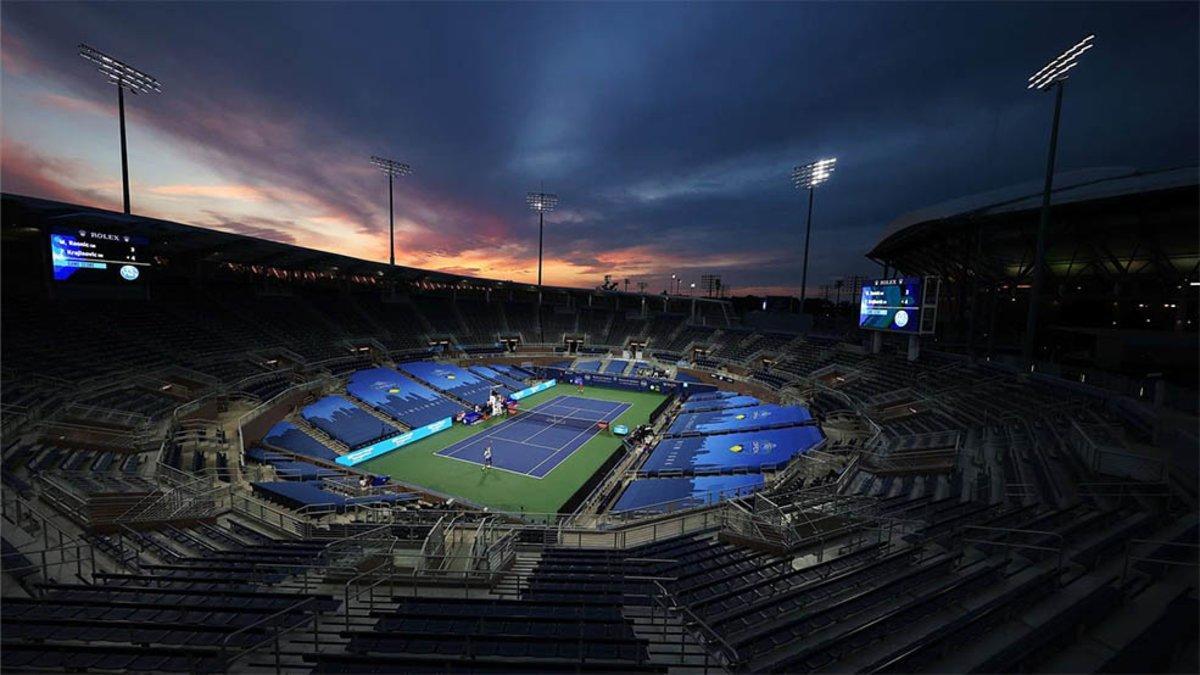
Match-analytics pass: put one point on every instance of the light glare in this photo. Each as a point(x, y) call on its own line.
point(1056, 70)
point(391, 167)
point(543, 202)
point(120, 73)
point(808, 176)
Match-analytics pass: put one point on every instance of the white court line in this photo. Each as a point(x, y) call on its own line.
point(498, 468)
point(618, 407)
point(564, 417)
point(568, 444)
point(465, 443)
point(592, 431)
point(491, 432)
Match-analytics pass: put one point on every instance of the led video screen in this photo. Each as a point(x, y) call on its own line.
point(891, 305)
point(91, 256)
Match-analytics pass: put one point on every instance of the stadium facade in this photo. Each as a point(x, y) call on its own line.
point(1123, 261)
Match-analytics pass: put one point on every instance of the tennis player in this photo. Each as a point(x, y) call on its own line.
point(487, 457)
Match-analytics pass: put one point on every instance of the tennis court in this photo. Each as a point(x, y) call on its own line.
point(533, 443)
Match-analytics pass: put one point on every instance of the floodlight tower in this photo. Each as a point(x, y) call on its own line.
point(542, 202)
point(392, 168)
point(808, 177)
point(1052, 76)
point(125, 77)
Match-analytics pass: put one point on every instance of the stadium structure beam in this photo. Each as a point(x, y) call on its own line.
point(809, 177)
point(392, 168)
point(125, 77)
point(1052, 76)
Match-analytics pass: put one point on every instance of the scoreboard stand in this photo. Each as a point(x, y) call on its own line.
point(906, 305)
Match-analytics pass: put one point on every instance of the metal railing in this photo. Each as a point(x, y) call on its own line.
point(1130, 557)
point(229, 659)
point(709, 637)
point(1058, 550)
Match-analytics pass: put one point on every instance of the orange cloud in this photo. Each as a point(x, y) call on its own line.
point(231, 192)
point(24, 170)
point(74, 104)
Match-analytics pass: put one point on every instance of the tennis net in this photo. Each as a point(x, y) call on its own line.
point(550, 419)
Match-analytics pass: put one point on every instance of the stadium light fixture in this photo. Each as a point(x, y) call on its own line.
point(1052, 76)
point(809, 177)
point(125, 77)
point(392, 168)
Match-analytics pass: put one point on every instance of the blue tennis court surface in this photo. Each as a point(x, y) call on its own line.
point(533, 447)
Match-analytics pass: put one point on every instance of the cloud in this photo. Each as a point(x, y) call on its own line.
point(14, 54)
point(74, 104)
point(263, 228)
point(247, 193)
point(26, 171)
point(669, 137)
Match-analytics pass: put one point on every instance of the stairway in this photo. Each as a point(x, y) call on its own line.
point(515, 580)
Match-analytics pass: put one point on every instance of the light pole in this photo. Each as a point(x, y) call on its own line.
point(808, 177)
point(392, 168)
point(541, 202)
point(1052, 76)
point(125, 77)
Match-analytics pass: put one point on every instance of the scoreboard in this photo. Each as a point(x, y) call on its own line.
point(900, 305)
point(86, 255)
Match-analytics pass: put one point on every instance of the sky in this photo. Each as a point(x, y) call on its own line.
point(668, 130)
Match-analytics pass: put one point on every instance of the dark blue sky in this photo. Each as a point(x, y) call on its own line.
point(668, 129)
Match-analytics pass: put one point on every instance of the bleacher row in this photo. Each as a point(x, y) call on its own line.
point(224, 338)
point(199, 598)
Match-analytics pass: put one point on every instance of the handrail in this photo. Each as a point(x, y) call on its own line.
point(286, 610)
point(353, 581)
point(1129, 556)
point(732, 657)
point(1062, 542)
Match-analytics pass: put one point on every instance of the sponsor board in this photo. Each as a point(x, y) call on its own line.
point(385, 446)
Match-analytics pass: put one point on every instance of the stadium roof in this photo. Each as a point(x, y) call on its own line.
point(1073, 186)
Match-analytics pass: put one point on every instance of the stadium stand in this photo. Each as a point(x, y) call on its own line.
point(655, 495)
point(287, 436)
point(345, 421)
point(767, 416)
point(497, 377)
point(865, 512)
point(728, 453)
point(399, 397)
point(616, 367)
point(453, 380)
